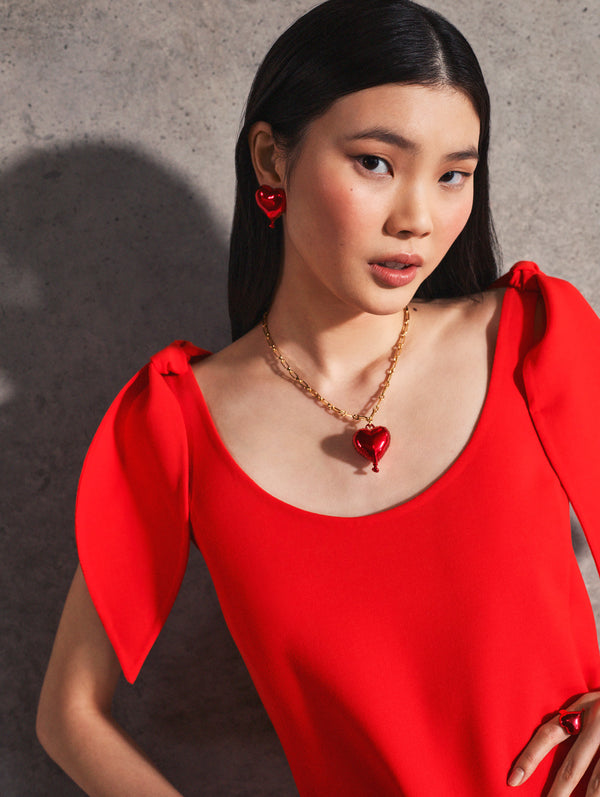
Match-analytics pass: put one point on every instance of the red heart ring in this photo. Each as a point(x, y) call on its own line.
point(271, 201)
point(570, 721)
point(372, 442)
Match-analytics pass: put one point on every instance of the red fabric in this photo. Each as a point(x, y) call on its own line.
point(562, 379)
point(132, 513)
point(410, 652)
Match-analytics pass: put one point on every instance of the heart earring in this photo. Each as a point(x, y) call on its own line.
point(271, 201)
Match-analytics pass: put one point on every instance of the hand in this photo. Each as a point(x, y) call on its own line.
point(577, 760)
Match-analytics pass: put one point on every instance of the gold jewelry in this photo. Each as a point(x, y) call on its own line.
point(371, 442)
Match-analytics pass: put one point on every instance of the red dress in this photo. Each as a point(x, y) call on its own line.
point(409, 652)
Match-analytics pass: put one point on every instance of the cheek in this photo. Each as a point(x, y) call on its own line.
point(330, 209)
point(346, 212)
point(456, 217)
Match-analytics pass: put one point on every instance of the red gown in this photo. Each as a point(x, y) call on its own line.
point(409, 652)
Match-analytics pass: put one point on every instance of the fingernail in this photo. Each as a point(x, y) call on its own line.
point(516, 776)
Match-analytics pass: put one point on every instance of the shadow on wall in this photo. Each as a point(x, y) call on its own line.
point(105, 257)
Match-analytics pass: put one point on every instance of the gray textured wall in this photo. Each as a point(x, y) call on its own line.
point(118, 124)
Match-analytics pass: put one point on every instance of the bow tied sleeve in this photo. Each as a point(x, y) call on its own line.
point(132, 516)
point(561, 374)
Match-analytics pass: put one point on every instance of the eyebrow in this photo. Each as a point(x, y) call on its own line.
point(389, 137)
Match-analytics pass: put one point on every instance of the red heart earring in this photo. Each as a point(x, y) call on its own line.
point(271, 201)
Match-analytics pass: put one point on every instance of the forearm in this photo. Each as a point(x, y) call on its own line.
point(74, 722)
point(100, 757)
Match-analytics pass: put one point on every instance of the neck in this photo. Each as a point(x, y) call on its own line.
point(331, 343)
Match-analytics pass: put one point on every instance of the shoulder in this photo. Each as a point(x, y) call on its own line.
point(177, 357)
point(562, 312)
point(467, 322)
point(144, 424)
point(240, 365)
point(527, 277)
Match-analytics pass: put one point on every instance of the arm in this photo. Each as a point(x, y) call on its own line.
point(562, 394)
point(74, 721)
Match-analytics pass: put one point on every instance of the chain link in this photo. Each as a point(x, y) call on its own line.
point(397, 348)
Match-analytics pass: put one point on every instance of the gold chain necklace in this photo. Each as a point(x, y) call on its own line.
point(370, 442)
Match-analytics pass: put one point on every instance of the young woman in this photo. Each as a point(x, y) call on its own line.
point(377, 471)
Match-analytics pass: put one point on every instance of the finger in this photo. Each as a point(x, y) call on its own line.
point(580, 756)
point(542, 742)
point(593, 789)
point(573, 767)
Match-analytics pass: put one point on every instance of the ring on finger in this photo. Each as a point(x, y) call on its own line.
point(571, 721)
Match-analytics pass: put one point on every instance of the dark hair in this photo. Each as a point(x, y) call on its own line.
point(337, 48)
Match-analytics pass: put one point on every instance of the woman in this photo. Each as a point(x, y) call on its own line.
point(393, 555)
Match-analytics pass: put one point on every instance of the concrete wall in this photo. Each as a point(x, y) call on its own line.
point(117, 130)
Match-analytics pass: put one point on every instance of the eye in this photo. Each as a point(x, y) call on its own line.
point(454, 178)
point(374, 164)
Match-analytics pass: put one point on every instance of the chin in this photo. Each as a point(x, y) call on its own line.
point(387, 305)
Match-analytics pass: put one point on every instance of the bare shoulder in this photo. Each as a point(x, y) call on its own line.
point(230, 373)
point(481, 313)
point(474, 319)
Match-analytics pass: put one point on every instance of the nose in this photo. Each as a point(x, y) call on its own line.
point(410, 214)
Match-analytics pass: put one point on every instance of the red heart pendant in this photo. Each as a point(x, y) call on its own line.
point(372, 442)
point(570, 721)
point(271, 201)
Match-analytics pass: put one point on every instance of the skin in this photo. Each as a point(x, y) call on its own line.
point(352, 200)
point(579, 758)
point(74, 722)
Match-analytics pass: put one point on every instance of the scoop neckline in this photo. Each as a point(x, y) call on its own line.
point(451, 472)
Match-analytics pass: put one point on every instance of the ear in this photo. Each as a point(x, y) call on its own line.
point(267, 158)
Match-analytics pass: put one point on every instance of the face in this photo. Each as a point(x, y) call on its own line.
point(381, 187)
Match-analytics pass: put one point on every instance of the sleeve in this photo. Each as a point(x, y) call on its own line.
point(561, 374)
point(132, 516)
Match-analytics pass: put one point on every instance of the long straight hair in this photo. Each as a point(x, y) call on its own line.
point(337, 48)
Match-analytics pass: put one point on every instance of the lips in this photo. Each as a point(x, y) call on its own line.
point(400, 261)
point(395, 277)
point(393, 264)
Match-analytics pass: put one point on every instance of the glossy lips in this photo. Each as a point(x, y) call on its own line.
point(395, 271)
point(372, 442)
point(271, 201)
point(393, 277)
point(402, 260)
